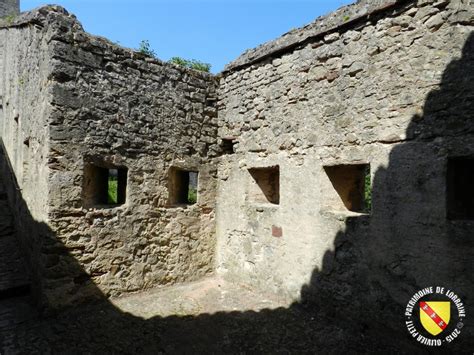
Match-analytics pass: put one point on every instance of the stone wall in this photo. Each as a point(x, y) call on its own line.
point(118, 108)
point(110, 107)
point(24, 118)
point(9, 7)
point(281, 145)
point(389, 88)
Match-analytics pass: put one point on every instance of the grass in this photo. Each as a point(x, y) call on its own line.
point(112, 191)
point(192, 195)
point(191, 63)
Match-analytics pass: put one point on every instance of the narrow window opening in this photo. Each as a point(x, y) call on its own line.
point(104, 186)
point(460, 188)
point(265, 185)
point(353, 185)
point(192, 187)
point(228, 145)
point(183, 187)
point(367, 190)
point(112, 187)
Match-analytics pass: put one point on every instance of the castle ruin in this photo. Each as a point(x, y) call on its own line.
point(333, 164)
point(9, 8)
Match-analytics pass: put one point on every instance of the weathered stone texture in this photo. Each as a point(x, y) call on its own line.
point(383, 83)
point(102, 104)
point(9, 7)
point(119, 108)
point(394, 93)
point(24, 117)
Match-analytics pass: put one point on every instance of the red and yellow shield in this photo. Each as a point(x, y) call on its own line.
point(435, 316)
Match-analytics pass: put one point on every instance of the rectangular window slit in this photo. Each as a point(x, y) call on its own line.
point(228, 145)
point(352, 182)
point(183, 187)
point(112, 187)
point(104, 187)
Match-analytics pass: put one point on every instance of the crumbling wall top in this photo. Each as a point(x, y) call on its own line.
point(39, 16)
point(322, 25)
point(65, 27)
point(9, 7)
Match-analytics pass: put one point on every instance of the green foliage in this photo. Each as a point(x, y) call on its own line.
point(192, 64)
point(145, 48)
point(112, 191)
point(10, 19)
point(192, 195)
point(179, 61)
point(367, 191)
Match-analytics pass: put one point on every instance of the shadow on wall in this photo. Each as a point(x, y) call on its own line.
point(379, 263)
point(356, 302)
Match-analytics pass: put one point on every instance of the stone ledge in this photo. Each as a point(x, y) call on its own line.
point(38, 16)
point(69, 29)
point(345, 16)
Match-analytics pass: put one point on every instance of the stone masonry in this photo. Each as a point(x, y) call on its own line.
point(118, 109)
point(349, 95)
point(9, 8)
point(391, 91)
point(285, 143)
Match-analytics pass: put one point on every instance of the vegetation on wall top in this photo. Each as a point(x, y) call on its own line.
point(192, 64)
point(145, 48)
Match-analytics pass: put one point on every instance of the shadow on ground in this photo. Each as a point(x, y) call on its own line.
point(356, 302)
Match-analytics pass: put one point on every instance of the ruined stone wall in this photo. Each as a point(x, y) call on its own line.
point(116, 108)
point(9, 7)
point(24, 118)
point(383, 83)
point(385, 86)
point(103, 106)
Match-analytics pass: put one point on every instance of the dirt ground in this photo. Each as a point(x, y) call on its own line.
point(206, 317)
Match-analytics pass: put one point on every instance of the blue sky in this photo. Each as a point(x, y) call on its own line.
point(213, 31)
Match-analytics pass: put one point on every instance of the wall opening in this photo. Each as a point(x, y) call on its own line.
point(265, 185)
point(228, 145)
point(460, 188)
point(104, 186)
point(183, 186)
point(353, 185)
